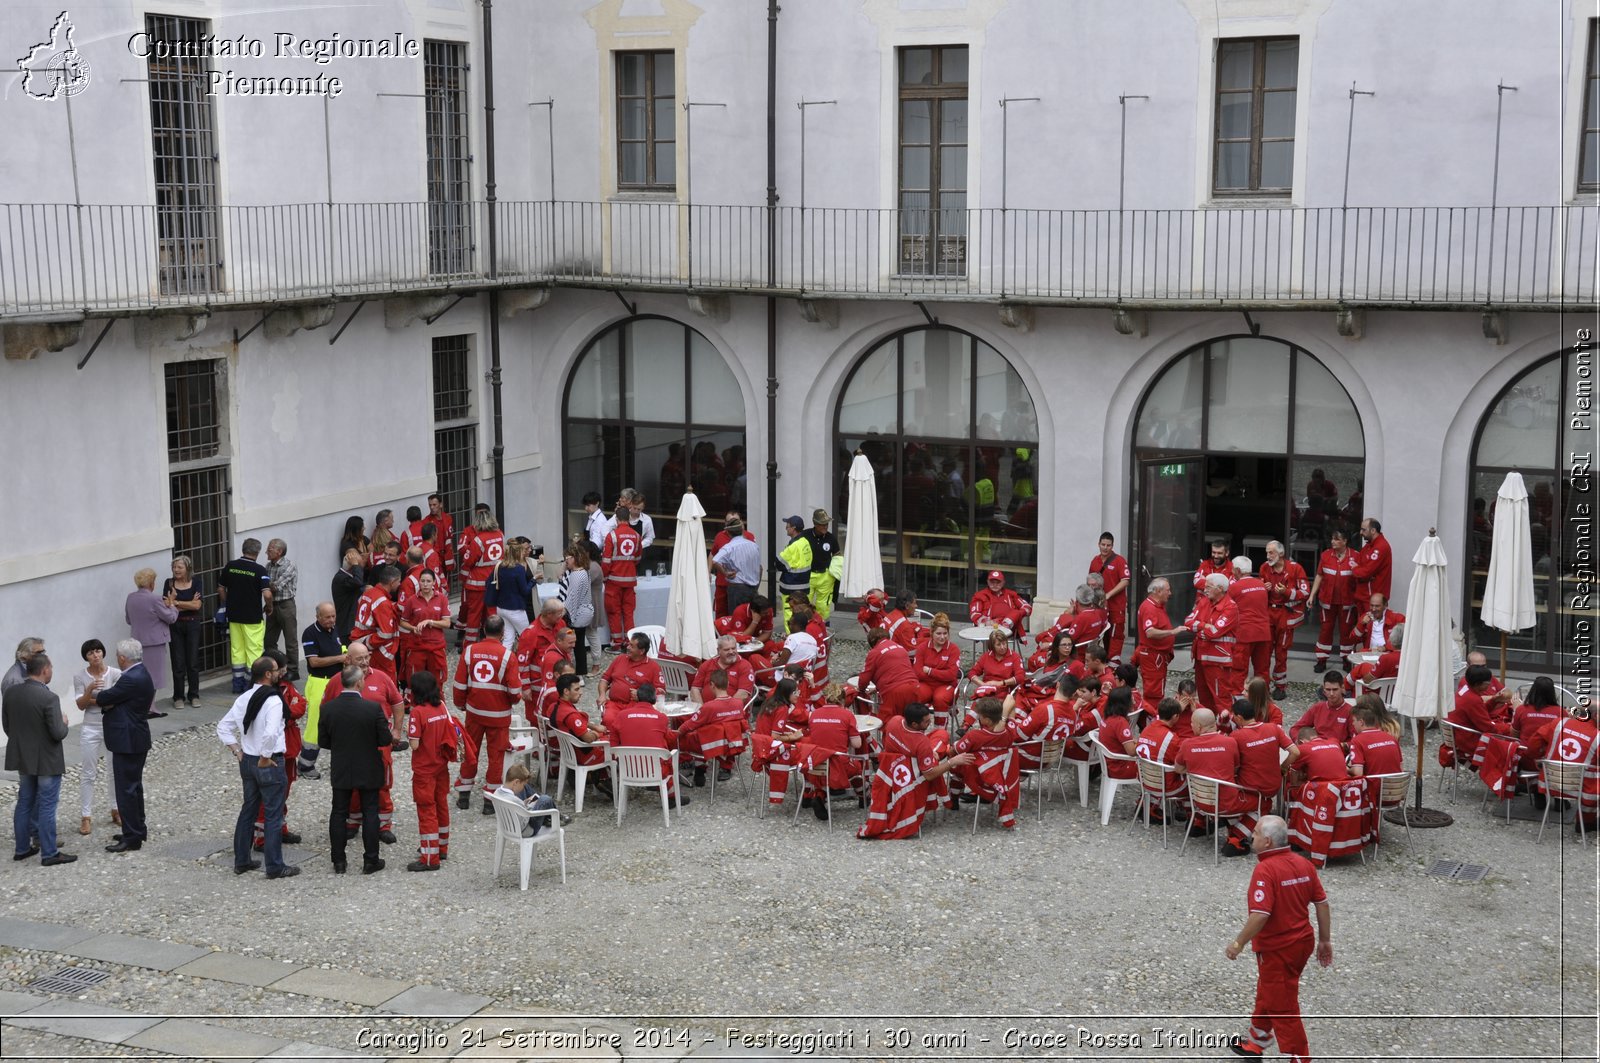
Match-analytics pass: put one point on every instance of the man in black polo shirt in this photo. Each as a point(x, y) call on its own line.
point(244, 590)
point(824, 548)
point(325, 655)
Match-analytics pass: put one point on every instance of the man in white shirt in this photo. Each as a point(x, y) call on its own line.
point(254, 729)
point(633, 504)
point(597, 525)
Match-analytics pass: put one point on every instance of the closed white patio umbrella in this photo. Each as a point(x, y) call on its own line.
point(863, 563)
point(1508, 594)
point(690, 632)
point(1424, 689)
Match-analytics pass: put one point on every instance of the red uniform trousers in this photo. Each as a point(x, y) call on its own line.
point(427, 659)
point(1284, 625)
point(892, 703)
point(1152, 665)
point(938, 696)
point(291, 771)
point(1277, 1012)
point(431, 792)
point(472, 611)
point(1250, 658)
point(1118, 632)
point(1342, 617)
point(620, 598)
point(352, 819)
point(385, 664)
point(496, 737)
point(1213, 681)
point(719, 600)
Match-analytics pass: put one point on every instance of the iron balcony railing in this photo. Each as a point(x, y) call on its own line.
point(65, 258)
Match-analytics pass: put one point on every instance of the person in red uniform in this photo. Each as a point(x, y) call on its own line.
point(994, 774)
point(1053, 660)
point(1331, 715)
point(428, 545)
point(1387, 666)
point(1253, 650)
point(488, 686)
point(1572, 740)
point(619, 561)
point(1315, 758)
point(1118, 736)
point(1267, 710)
point(482, 547)
point(1538, 710)
point(446, 538)
point(1086, 717)
point(1215, 756)
point(540, 680)
point(643, 725)
point(1283, 886)
point(732, 523)
point(425, 618)
point(716, 731)
point(434, 739)
point(1112, 567)
point(999, 664)
point(414, 570)
point(1329, 812)
point(741, 677)
point(938, 668)
point(1052, 719)
point(1334, 591)
point(1155, 633)
point(1373, 629)
point(384, 638)
point(874, 607)
point(1160, 742)
point(906, 766)
point(1260, 752)
point(1374, 568)
point(997, 604)
point(1288, 592)
point(774, 736)
point(635, 667)
point(901, 625)
point(1085, 621)
point(826, 767)
point(1483, 712)
point(375, 686)
point(1213, 621)
point(1476, 657)
point(538, 637)
point(1373, 751)
point(564, 715)
point(888, 666)
point(1218, 564)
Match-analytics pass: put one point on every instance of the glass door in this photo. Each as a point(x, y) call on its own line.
point(1171, 497)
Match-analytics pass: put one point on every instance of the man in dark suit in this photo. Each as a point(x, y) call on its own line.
point(353, 730)
point(126, 710)
point(34, 727)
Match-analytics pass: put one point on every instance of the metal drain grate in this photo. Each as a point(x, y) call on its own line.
point(69, 980)
point(1459, 871)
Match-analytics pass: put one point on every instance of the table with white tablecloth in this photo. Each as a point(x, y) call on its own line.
point(650, 602)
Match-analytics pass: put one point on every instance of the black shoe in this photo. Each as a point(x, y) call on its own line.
point(699, 776)
point(603, 788)
point(307, 773)
point(371, 867)
point(681, 800)
point(724, 774)
point(1280, 692)
point(807, 802)
point(33, 851)
point(820, 808)
point(124, 847)
point(387, 837)
point(488, 807)
point(154, 715)
point(59, 858)
point(967, 799)
point(339, 867)
point(463, 800)
point(1234, 850)
point(418, 865)
point(1319, 667)
point(1241, 1047)
point(291, 838)
point(240, 869)
point(289, 871)
point(1198, 830)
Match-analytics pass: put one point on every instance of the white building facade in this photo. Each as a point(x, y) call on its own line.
point(1182, 284)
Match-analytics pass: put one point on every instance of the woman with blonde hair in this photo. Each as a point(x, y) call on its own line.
point(382, 535)
point(510, 590)
point(150, 618)
point(938, 667)
point(1381, 716)
point(184, 594)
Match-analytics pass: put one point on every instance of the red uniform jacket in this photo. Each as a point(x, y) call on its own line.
point(362, 624)
point(1330, 722)
point(1213, 624)
point(1376, 752)
point(1259, 761)
point(1571, 742)
point(1114, 734)
point(535, 639)
point(1283, 888)
point(714, 726)
point(1374, 569)
point(445, 535)
point(1287, 589)
point(417, 609)
point(294, 710)
point(995, 772)
point(619, 555)
point(1158, 742)
point(991, 669)
point(904, 630)
point(434, 730)
point(1391, 620)
point(384, 639)
point(741, 677)
point(889, 666)
point(1249, 595)
point(937, 667)
point(899, 793)
point(634, 675)
point(487, 683)
point(480, 554)
point(1322, 761)
point(642, 724)
point(1470, 711)
point(1152, 615)
point(1006, 608)
point(1112, 572)
point(830, 731)
point(375, 687)
point(1338, 587)
point(564, 716)
point(1209, 567)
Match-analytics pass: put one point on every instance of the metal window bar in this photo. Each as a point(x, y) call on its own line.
point(194, 426)
point(188, 251)
point(201, 528)
point(455, 463)
point(452, 379)
point(450, 247)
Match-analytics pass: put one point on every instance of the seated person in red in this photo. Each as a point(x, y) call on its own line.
point(1053, 660)
point(909, 764)
point(1572, 740)
point(999, 665)
point(1260, 751)
point(1540, 709)
point(1387, 666)
point(874, 607)
point(619, 695)
point(716, 731)
point(1085, 621)
point(546, 699)
point(1476, 657)
point(752, 622)
point(1051, 720)
point(635, 667)
point(888, 667)
point(1160, 743)
point(1267, 710)
point(642, 725)
point(741, 676)
point(773, 737)
point(1373, 751)
point(937, 666)
point(1188, 696)
point(1330, 813)
point(1479, 710)
point(900, 623)
point(1330, 716)
point(565, 716)
point(831, 730)
point(1315, 759)
point(1086, 718)
point(1216, 756)
point(993, 775)
point(1116, 734)
point(997, 604)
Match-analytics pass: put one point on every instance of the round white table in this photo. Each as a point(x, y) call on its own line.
point(977, 635)
point(866, 724)
point(676, 709)
point(750, 647)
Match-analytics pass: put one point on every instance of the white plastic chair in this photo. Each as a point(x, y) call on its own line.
point(1562, 781)
point(675, 678)
point(510, 816)
point(1108, 785)
point(569, 762)
point(1384, 687)
point(639, 767)
point(1204, 790)
point(657, 633)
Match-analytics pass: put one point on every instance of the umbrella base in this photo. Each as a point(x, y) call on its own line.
point(1422, 818)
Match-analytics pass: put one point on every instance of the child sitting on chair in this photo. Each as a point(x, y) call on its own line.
point(520, 785)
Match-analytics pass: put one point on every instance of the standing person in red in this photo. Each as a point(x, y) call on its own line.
point(433, 737)
point(486, 685)
point(1288, 591)
point(1374, 568)
point(889, 666)
point(425, 618)
point(1112, 567)
point(1215, 565)
point(999, 664)
point(619, 560)
point(1283, 886)
point(1334, 592)
point(445, 537)
point(717, 728)
point(1213, 622)
point(997, 604)
point(938, 667)
point(1155, 633)
point(643, 725)
point(482, 547)
point(1253, 650)
point(906, 767)
point(1215, 756)
point(538, 637)
point(379, 687)
point(994, 773)
point(384, 640)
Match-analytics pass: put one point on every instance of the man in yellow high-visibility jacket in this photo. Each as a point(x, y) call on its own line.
point(794, 565)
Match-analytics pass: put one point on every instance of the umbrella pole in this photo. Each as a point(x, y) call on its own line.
point(1503, 637)
point(1419, 817)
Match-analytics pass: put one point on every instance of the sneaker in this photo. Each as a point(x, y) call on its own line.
point(566, 820)
point(177, 703)
point(291, 838)
point(240, 869)
point(463, 800)
point(1241, 1047)
point(307, 773)
point(59, 858)
point(289, 871)
point(418, 865)
point(195, 703)
point(387, 837)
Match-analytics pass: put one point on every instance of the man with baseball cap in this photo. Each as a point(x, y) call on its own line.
point(824, 548)
point(794, 565)
point(736, 563)
point(997, 604)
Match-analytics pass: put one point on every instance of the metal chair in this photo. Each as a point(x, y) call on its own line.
point(657, 634)
point(1568, 698)
point(862, 781)
point(1109, 785)
point(1563, 781)
point(1394, 792)
point(1156, 784)
point(977, 806)
point(510, 816)
point(1204, 790)
point(640, 767)
point(1454, 736)
point(570, 746)
point(1047, 771)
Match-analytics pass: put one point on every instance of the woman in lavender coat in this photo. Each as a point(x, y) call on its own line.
point(150, 619)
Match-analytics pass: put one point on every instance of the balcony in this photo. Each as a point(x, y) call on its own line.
point(63, 260)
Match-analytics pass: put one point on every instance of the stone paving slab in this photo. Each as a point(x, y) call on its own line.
point(27, 934)
point(341, 985)
point(433, 1003)
point(17, 1003)
point(74, 1018)
point(321, 1053)
point(183, 1037)
point(243, 970)
point(135, 951)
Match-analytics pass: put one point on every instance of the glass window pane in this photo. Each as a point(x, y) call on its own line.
point(662, 82)
point(915, 121)
point(1325, 420)
point(595, 382)
point(953, 65)
point(1590, 173)
point(630, 74)
point(1520, 431)
point(914, 213)
point(1249, 396)
point(1233, 165)
point(1324, 496)
point(714, 396)
point(1233, 115)
point(666, 163)
point(1005, 409)
point(660, 472)
point(630, 115)
point(1236, 64)
point(914, 168)
point(584, 458)
point(666, 120)
point(1277, 114)
point(1592, 118)
point(1277, 164)
point(655, 371)
point(1172, 412)
point(938, 383)
point(953, 122)
point(916, 66)
point(869, 402)
point(717, 473)
point(1283, 64)
point(631, 158)
point(952, 169)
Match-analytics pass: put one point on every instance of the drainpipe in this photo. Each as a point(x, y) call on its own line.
point(772, 283)
point(498, 454)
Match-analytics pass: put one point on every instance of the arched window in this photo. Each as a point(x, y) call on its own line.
point(951, 430)
point(1527, 430)
point(1243, 440)
point(652, 405)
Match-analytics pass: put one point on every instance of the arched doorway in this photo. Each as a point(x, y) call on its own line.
point(1242, 439)
point(651, 404)
point(951, 430)
point(1527, 429)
